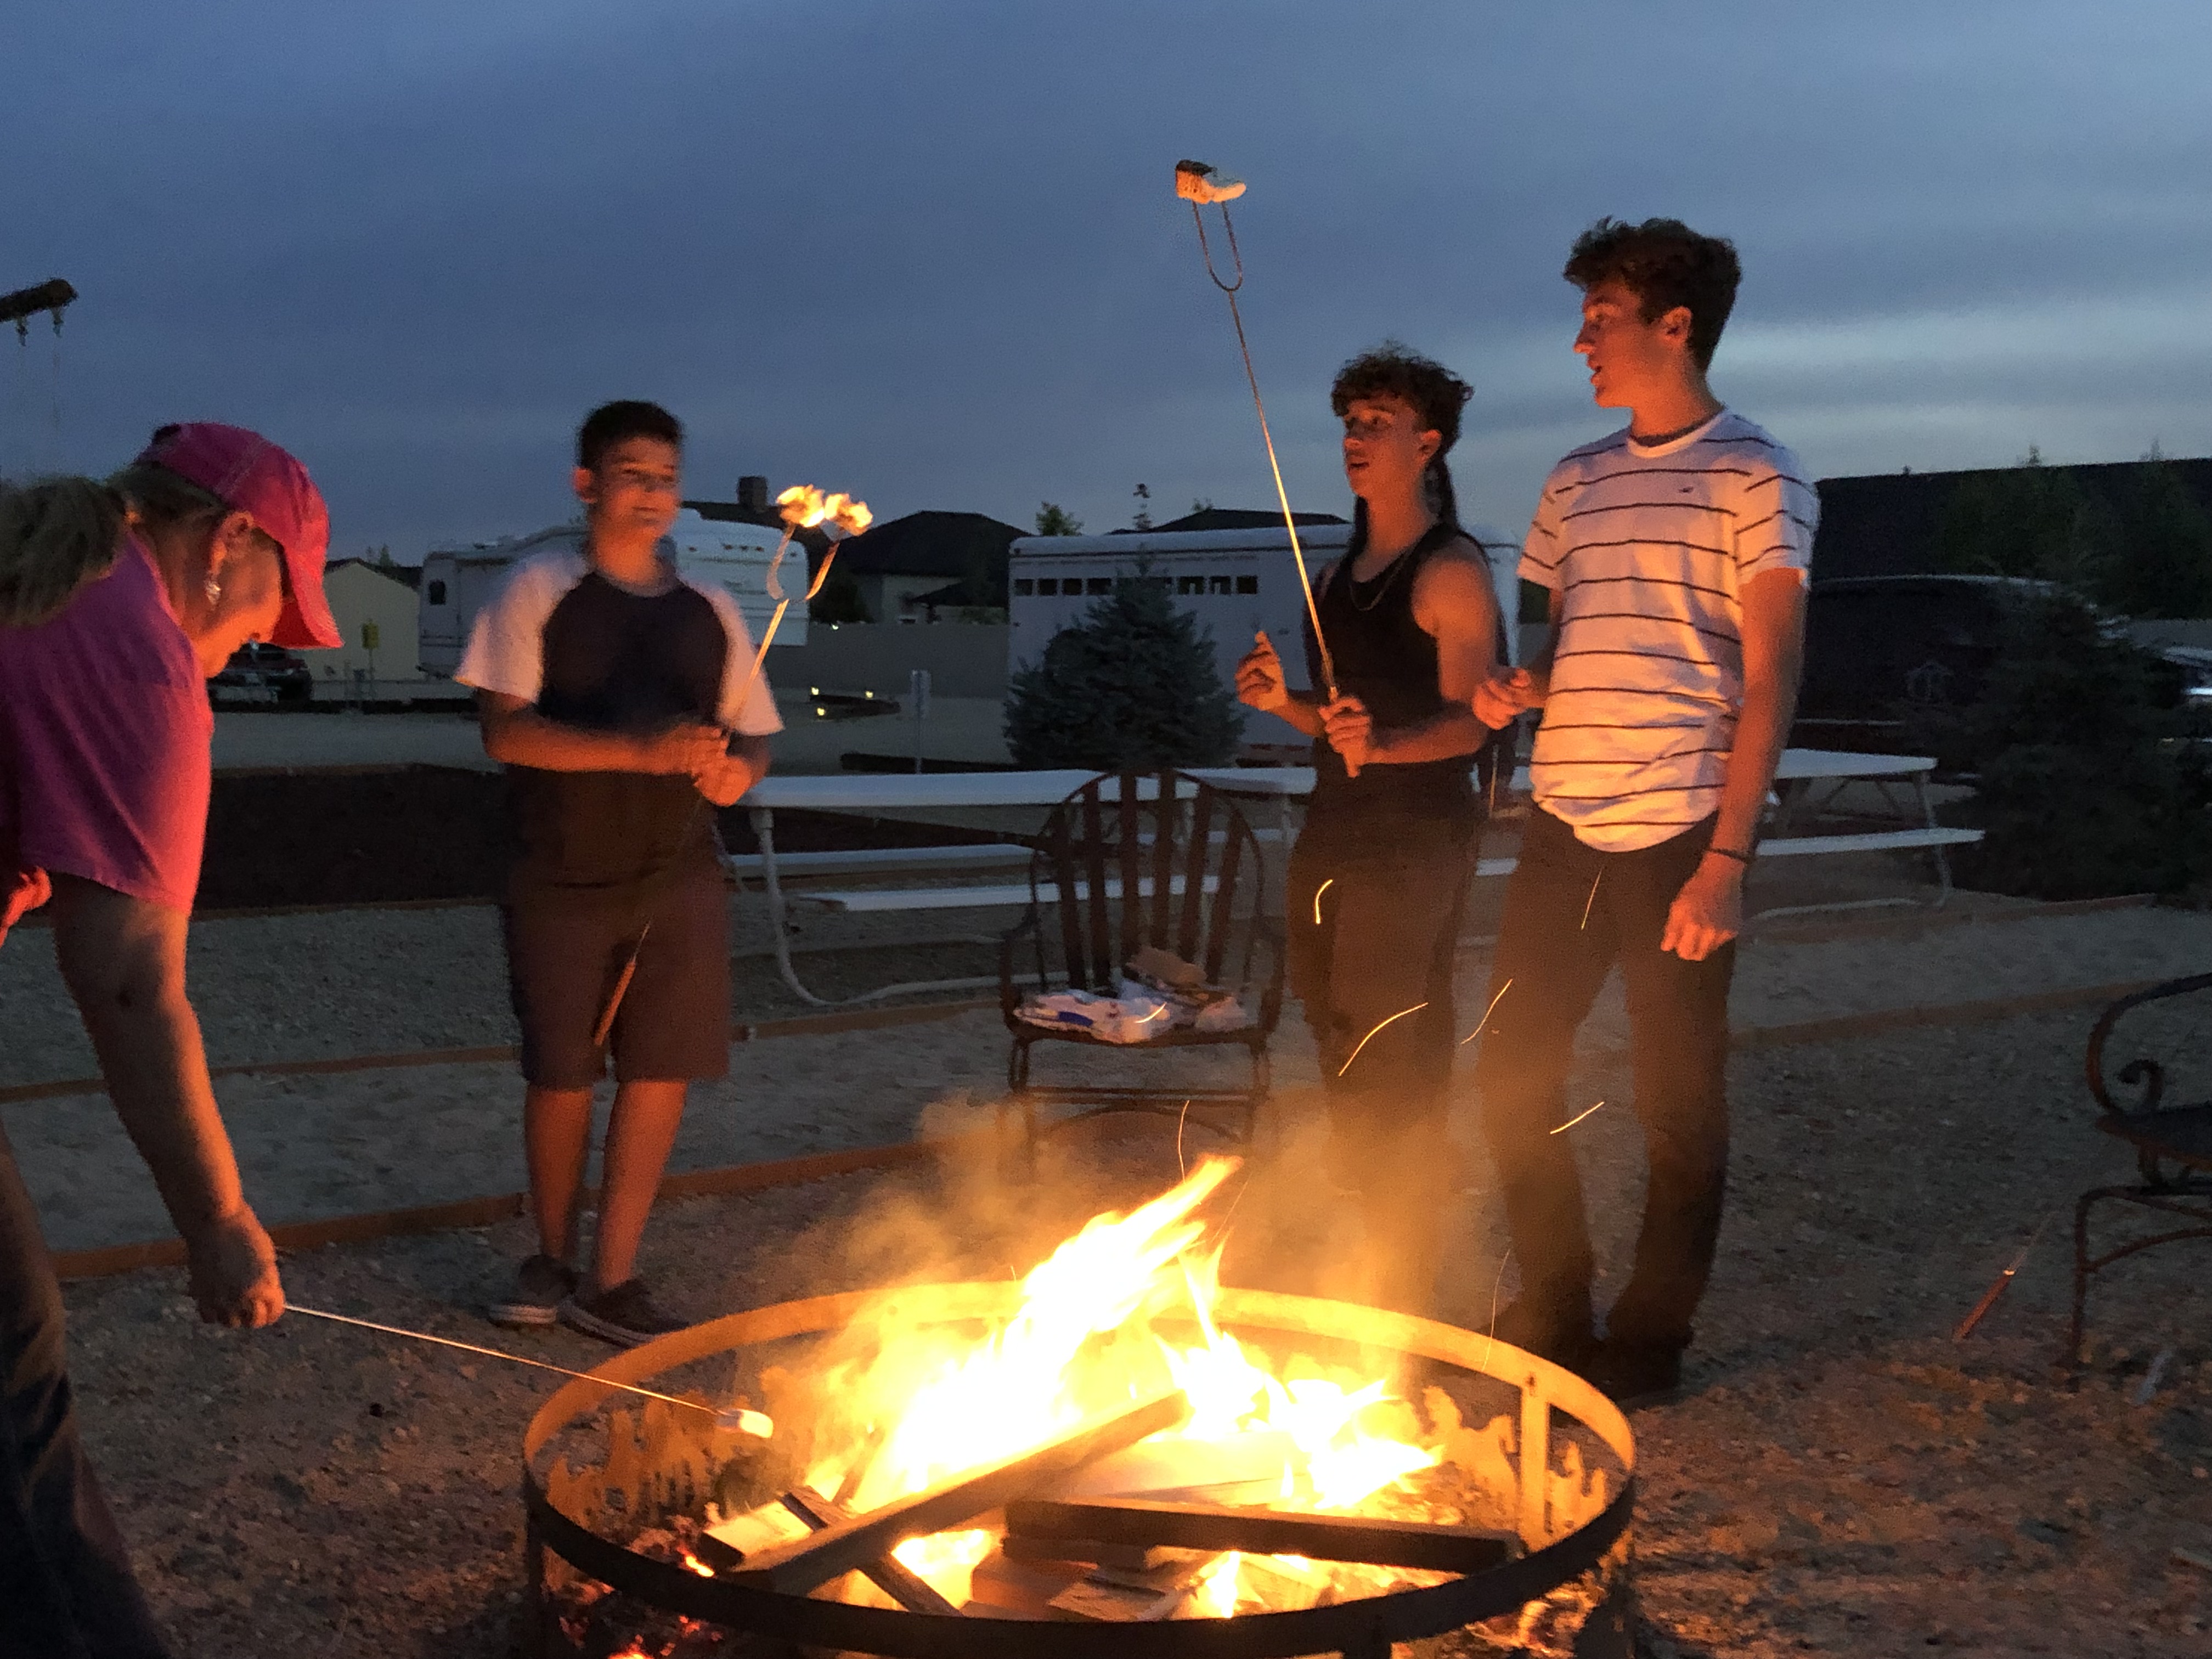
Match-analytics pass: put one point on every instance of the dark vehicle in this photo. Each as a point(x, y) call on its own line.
point(263, 673)
point(1877, 647)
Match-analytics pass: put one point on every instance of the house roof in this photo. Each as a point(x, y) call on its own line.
point(929, 544)
point(407, 575)
point(1228, 518)
point(1888, 524)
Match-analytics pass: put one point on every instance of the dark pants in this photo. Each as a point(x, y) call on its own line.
point(1571, 914)
point(66, 1590)
point(1379, 940)
point(565, 953)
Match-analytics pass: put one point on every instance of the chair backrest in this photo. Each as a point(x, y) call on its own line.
point(1151, 857)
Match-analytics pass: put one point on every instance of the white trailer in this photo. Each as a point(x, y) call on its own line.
point(1235, 582)
point(457, 582)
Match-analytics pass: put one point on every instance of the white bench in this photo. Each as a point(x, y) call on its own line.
point(1800, 770)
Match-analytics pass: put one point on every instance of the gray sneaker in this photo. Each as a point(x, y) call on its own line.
point(539, 1287)
point(624, 1315)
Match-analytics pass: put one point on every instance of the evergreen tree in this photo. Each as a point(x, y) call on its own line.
point(2164, 540)
point(1053, 520)
point(1132, 687)
point(2030, 521)
point(2086, 783)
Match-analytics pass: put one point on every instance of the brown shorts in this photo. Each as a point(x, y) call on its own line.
point(565, 953)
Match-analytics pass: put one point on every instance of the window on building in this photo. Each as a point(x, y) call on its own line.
point(1217, 584)
point(1248, 583)
point(437, 594)
point(1024, 587)
point(1048, 586)
point(1190, 584)
point(1100, 585)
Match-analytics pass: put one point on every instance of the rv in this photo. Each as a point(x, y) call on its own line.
point(1235, 582)
point(457, 582)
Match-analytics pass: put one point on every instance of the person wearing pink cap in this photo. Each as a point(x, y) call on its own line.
point(117, 600)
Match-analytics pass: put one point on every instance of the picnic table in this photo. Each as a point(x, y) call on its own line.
point(1799, 775)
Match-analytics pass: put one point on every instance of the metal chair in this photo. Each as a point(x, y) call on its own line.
point(1128, 860)
point(2163, 1136)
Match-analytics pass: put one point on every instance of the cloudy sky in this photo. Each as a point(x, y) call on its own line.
point(928, 251)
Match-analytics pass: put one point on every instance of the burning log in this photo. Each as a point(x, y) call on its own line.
point(893, 1577)
point(1216, 1527)
point(796, 1568)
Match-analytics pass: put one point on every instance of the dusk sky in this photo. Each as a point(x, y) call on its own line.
point(930, 252)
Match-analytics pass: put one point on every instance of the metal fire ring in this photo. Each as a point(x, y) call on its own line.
point(1366, 1626)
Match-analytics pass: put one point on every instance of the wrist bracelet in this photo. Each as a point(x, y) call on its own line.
point(1731, 852)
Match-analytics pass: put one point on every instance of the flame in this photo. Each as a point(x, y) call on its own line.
point(1082, 1343)
point(949, 1559)
point(1215, 1592)
point(803, 506)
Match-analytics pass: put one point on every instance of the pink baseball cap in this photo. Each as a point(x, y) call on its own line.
point(255, 476)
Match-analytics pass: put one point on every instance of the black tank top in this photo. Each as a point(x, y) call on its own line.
point(1388, 661)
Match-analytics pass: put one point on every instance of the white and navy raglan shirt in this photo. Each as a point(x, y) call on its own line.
point(1646, 551)
point(590, 651)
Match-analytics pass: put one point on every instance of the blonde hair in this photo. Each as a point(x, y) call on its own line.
point(57, 534)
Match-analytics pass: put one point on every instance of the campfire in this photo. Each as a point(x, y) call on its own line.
point(1118, 1438)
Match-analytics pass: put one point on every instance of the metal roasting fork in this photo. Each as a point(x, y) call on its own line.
point(727, 1417)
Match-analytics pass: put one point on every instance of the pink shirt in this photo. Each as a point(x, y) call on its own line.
point(104, 730)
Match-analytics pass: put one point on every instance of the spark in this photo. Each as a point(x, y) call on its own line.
point(1363, 1042)
point(1181, 1117)
point(1487, 1013)
point(1496, 1285)
point(1592, 899)
point(1318, 891)
point(1576, 1118)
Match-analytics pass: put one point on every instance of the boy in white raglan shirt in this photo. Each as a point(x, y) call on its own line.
point(1676, 551)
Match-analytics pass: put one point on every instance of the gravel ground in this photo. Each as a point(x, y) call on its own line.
point(1842, 1479)
point(351, 1142)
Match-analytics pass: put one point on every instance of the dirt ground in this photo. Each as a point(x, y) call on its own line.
point(1842, 1479)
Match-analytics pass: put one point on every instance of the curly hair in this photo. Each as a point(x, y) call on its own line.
point(613, 423)
point(1436, 395)
point(1664, 264)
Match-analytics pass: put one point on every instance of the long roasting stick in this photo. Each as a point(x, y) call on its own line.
point(1197, 183)
point(752, 1422)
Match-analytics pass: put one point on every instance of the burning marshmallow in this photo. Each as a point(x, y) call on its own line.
point(1197, 181)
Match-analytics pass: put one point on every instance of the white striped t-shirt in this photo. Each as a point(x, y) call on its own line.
point(1646, 550)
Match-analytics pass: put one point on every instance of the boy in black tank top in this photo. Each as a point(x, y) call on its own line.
point(1380, 871)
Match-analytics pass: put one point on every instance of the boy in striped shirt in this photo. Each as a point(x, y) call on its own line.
point(1675, 553)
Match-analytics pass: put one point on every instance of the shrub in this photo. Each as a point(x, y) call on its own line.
point(1132, 687)
point(2090, 776)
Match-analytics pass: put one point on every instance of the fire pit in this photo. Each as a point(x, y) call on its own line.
point(1344, 1521)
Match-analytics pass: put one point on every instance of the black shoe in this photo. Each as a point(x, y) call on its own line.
point(1545, 1332)
point(539, 1289)
point(1634, 1374)
point(624, 1315)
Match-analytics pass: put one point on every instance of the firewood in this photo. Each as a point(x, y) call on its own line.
point(1128, 1558)
point(798, 1567)
point(890, 1575)
point(1260, 1532)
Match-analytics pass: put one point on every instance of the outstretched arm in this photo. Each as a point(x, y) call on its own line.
point(122, 959)
point(1709, 910)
